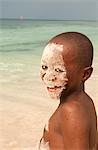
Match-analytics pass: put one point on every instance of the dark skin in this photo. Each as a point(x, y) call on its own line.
point(73, 126)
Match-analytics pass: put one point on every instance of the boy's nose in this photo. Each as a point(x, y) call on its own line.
point(53, 78)
point(50, 77)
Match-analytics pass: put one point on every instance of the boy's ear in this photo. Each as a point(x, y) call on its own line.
point(87, 73)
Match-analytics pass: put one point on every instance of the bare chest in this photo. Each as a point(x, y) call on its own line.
point(51, 133)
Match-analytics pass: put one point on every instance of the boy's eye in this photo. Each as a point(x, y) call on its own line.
point(58, 70)
point(44, 67)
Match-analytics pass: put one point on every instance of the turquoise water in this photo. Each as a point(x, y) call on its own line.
point(22, 43)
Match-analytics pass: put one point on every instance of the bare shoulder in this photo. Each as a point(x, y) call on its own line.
point(78, 123)
point(73, 114)
point(81, 108)
point(78, 112)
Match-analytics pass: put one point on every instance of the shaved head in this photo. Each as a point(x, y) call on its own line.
point(77, 47)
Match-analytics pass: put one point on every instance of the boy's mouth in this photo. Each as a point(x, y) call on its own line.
point(53, 89)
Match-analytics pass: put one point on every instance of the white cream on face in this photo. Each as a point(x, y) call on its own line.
point(53, 71)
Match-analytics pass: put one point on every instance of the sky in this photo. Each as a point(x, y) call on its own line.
point(50, 9)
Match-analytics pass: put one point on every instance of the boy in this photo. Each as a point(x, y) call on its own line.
point(65, 66)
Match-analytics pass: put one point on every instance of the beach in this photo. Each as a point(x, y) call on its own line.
point(25, 106)
point(23, 115)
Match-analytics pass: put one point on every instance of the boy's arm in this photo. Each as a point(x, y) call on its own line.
point(74, 129)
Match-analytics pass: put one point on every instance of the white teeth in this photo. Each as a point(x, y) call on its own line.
point(53, 86)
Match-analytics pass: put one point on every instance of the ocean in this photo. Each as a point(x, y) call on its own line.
point(22, 43)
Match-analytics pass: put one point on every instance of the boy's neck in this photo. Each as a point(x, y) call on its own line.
point(72, 94)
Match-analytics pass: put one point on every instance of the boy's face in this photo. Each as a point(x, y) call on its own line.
point(53, 70)
point(58, 70)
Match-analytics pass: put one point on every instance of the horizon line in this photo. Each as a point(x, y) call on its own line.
point(89, 20)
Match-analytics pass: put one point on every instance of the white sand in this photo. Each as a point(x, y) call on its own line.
point(22, 116)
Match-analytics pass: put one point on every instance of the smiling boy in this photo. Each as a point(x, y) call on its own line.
point(65, 66)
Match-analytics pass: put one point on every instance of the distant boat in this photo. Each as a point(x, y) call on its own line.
point(21, 17)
